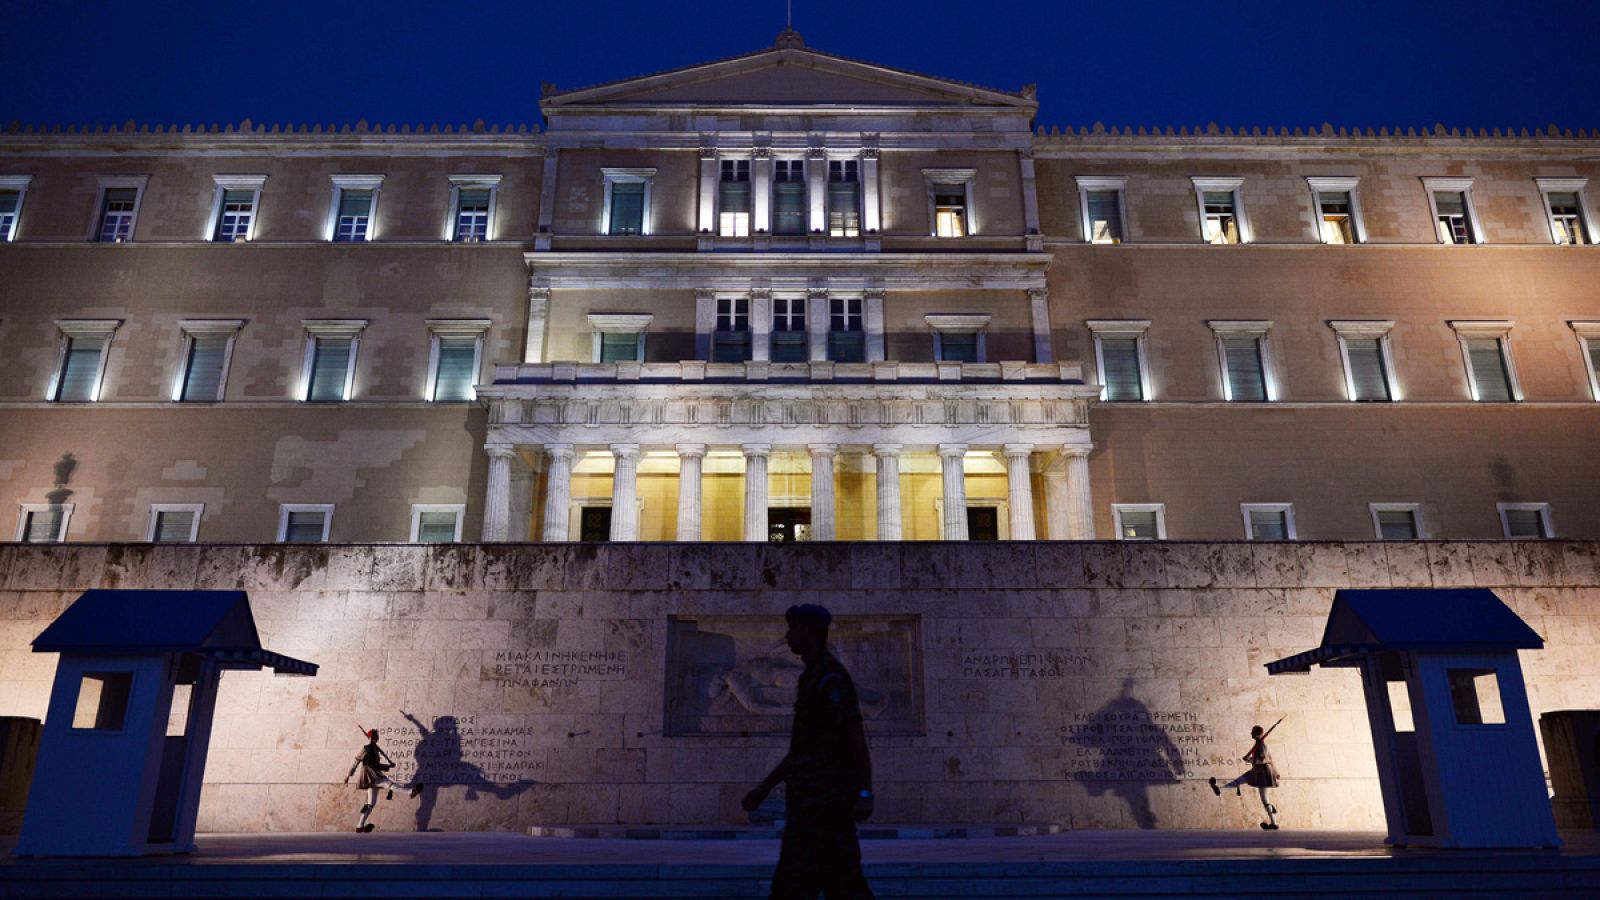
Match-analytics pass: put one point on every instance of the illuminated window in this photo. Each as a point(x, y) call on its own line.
point(950, 210)
point(1490, 375)
point(12, 190)
point(733, 199)
point(304, 523)
point(1564, 202)
point(627, 201)
point(1268, 521)
point(790, 341)
point(1364, 348)
point(1455, 219)
point(433, 523)
point(455, 370)
point(472, 203)
point(1338, 209)
point(1119, 357)
point(1396, 521)
point(731, 340)
point(355, 204)
point(330, 361)
point(619, 337)
point(847, 336)
point(1525, 521)
point(208, 347)
point(1589, 345)
point(844, 198)
point(958, 338)
point(789, 197)
point(174, 523)
point(1241, 350)
point(82, 363)
point(233, 215)
point(43, 523)
point(1140, 521)
point(118, 205)
point(1221, 213)
point(1102, 206)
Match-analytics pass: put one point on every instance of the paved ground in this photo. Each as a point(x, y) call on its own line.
point(504, 848)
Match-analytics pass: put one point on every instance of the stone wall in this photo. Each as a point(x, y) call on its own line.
point(1091, 684)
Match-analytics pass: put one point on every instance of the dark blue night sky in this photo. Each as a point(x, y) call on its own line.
point(1125, 62)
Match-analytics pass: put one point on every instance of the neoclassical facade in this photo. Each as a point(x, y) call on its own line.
point(792, 296)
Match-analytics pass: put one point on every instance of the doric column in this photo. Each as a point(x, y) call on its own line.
point(817, 190)
point(822, 501)
point(1080, 500)
point(497, 499)
point(522, 478)
point(557, 493)
point(952, 465)
point(871, 221)
point(755, 491)
point(625, 492)
point(690, 460)
point(889, 525)
point(1019, 490)
point(761, 190)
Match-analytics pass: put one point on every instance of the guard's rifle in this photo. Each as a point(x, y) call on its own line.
point(1263, 738)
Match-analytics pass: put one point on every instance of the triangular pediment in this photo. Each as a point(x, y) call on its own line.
point(788, 76)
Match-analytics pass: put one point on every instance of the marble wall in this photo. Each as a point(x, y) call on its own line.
point(1093, 684)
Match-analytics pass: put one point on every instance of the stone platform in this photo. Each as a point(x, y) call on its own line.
point(1070, 864)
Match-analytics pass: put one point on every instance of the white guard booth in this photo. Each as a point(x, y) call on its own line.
point(1457, 759)
point(125, 735)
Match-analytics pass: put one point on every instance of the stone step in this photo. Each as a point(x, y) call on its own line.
point(774, 832)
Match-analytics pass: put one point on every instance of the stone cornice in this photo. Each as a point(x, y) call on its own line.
point(788, 271)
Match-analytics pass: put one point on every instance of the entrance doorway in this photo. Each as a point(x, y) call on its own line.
point(594, 523)
point(788, 524)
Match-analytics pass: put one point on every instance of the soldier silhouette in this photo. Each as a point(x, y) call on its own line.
point(374, 764)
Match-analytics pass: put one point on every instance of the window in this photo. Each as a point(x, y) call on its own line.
point(619, 337)
point(82, 364)
point(102, 701)
point(1268, 521)
point(12, 189)
point(1120, 359)
point(43, 523)
point(594, 523)
point(1525, 521)
point(1338, 210)
point(1455, 219)
point(1221, 212)
point(355, 205)
point(1571, 223)
point(456, 345)
point(1475, 695)
point(233, 213)
point(1364, 347)
point(1490, 376)
point(304, 523)
point(174, 523)
point(330, 364)
point(119, 207)
point(790, 341)
point(1100, 201)
point(1589, 345)
point(627, 201)
point(847, 337)
point(789, 196)
point(958, 338)
point(950, 201)
point(731, 340)
point(1396, 521)
point(1140, 521)
point(844, 198)
point(472, 207)
point(207, 351)
point(1241, 349)
point(433, 523)
point(733, 199)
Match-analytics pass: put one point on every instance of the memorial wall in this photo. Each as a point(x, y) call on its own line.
point(1096, 685)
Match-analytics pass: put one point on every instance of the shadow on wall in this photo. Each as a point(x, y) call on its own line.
point(1130, 753)
point(64, 467)
point(440, 764)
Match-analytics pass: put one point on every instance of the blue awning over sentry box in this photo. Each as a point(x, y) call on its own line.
point(1366, 621)
point(216, 624)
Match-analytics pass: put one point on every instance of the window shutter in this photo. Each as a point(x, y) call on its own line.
point(1246, 380)
point(238, 198)
point(1105, 217)
point(43, 527)
point(455, 378)
point(436, 527)
point(330, 365)
point(8, 202)
point(619, 347)
point(847, 346)
point(474, 199)
point(844, 208)
point(203, 379)
point(1269, 525)
point(354, 203)
point(174, 526)
point(1524, 523)
point(627, 207)
point(1367, 375)
point(1489, 370)
point(790, 346)
point(958, 347)
point(1397, 524)
point(1450, 203)
point(1121, 358)
point(735, 196)
point(80, 370)
point(304, 527)
point(789, 208)
point(1593, 345)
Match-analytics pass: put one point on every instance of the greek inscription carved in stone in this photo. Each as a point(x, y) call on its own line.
point(555, 668)
point(1024, 665)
